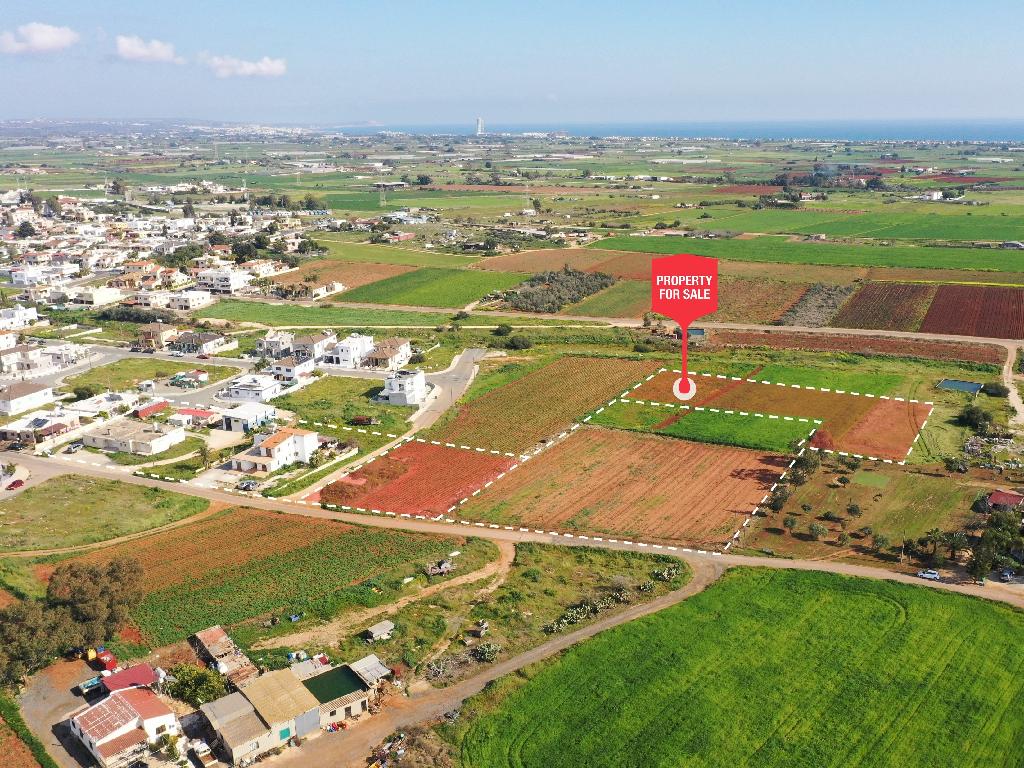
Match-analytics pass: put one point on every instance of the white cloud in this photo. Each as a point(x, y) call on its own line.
point(134, 48)
point(37, 37)
point(229, 66)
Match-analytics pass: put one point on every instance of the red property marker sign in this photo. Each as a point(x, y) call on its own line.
point(684, 287)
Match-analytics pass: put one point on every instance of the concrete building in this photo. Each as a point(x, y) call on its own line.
point(405, 387)
point(275, 344)
point(390, 354)
point(276, 450)
point(350, 352)
point(203, 343)
point(223, 280)
point(22, 396)
point(253, 387)
point(157, 335)
point(289, 369)
point(13, 318)
point(108, 402)
point(138, 437)
point(39, 426)
point(118, 730)
point(247, 417)
point(314, 346)
point(186, 301)
point(93, 296)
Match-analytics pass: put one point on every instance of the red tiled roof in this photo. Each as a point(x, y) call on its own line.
point(121, 743)
point(119, 709)
point(197, 413)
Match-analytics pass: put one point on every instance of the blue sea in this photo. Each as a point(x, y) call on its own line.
point(828, 130)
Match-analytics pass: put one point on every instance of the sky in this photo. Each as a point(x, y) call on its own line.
point(410, 62)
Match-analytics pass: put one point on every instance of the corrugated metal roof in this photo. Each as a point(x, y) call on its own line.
point(278, 696)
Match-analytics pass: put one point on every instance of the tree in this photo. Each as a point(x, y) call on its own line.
point(195, 685)
point(995, 389)
point(504, 329)
point(844, 539)
point(424, 180)
point(807, 462)
point(205, 456)
point(817, 530)
point(853, 510)
point(188, 211)
point(790, 524)
point(956, 542)
point(934, 538)
point(976, 418)
point(461, 315)
point(519, 342)
point(25, 229)
point(879, 542)
point(117, 187)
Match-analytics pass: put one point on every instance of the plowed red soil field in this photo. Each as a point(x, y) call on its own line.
point(417, 478)
point(977, 310)
point(887, 306)
point(542, 403)
point(869, 345)
point(869, 426)
point(631, 485)
point(16, 753)
point(351, 275)
point(6, 598)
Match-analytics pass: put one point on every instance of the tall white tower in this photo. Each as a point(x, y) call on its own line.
point(479, 126)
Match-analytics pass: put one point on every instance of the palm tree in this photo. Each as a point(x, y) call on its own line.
point(957, 542)
point(204, 456)
point(934, 537)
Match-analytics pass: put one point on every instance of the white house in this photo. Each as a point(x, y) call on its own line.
point(247, 417)
point(253, 387)
point(223, 280)
point(117, 730)
point(108, 402)
point(138, 437)
point(8, 340)
point(405, 387)
point(93, 296)
point(13, 318)
point(390, 354)
point(314, 346)
point(275, 344)
point(24, 396)
point(22, 358)
point(288, 369)
point(186, 301)
point(350, 352)
point(271, 452)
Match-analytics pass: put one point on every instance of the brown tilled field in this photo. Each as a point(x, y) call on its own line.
point(632, 485)
point(977, 310)
point(853, 423)
point(547, 259)
point(15, 752)
point(542, 403)
point(352, 275)
point(417, 478)
point(868, 345)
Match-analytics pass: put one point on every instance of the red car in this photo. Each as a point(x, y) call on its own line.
point(15, 485)
point(202, 357)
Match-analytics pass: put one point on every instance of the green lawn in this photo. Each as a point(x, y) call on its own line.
point(626, 298)
point(848, 379)
point(128, 372)
point(344, 317)
point(769, 668)
point(388, 254)
point(433, 287)
point(779, 249)
point(73, 510)
point(338, 399)
point(756, 432)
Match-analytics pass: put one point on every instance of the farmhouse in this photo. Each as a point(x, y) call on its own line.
point(24, 396)
point(247, 417)
point(137, 676)
point(405, 387)
point(274, 451)
point(253, 388)
point(240, 730)
point(380, 631)
point(118, 729)
point(340, 692)
point(138, 437)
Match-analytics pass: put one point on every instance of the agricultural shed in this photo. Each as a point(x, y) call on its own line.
point(341, 693)
point(283, 703)
point(380, 631)
point(1005, 499)
point(370, 669)
point(138, 676)
point(240, 729)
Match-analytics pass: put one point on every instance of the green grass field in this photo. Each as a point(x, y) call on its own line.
point(72, 510)
point(128, 372)
point(756, 432)
point(778, 249)
point(344, 317)
point(345, 250)
point(626, 298)
point(769, 668)
point(434, 287)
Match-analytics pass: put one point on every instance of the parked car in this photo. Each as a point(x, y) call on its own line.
point(177, 353)
point(74, 447)
point(17, 447)
point(202, 357)
point(248, 485)
point(149, 351)
point(929, 574)
point(1006, 575)
point(15, 485)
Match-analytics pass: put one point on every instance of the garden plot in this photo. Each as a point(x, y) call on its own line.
point(874, 427)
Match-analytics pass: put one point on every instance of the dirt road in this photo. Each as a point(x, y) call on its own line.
point(351, 747)
point(327, 634)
